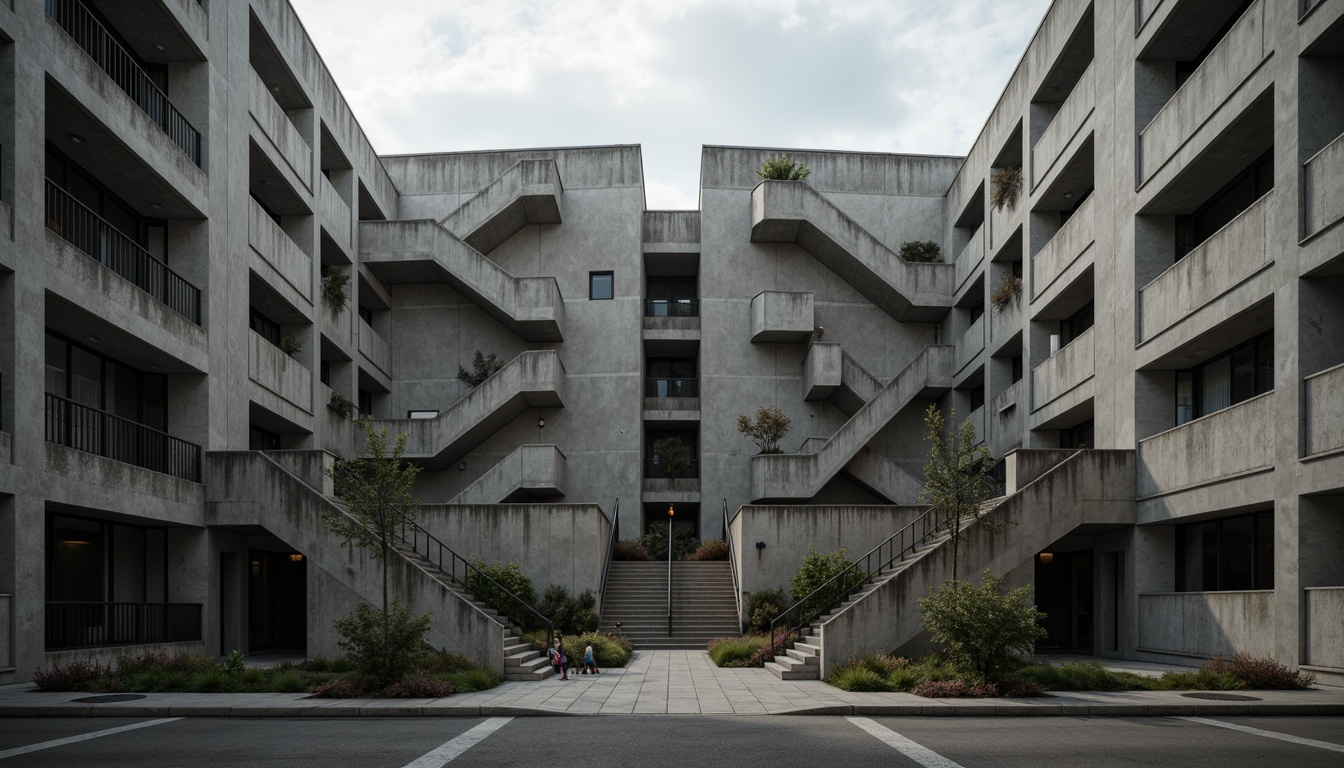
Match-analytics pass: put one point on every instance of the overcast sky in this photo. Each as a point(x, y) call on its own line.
point(916, 76)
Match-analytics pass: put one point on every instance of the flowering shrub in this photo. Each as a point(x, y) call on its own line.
point(629, 549)
point(1262, 673)
point(340, 688)
point(714, 549)
point(76, 675)
point(418, 687)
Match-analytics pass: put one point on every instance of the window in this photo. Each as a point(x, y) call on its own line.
point(1017, 368)
point(1081, 436)
point(1227, 554)
point(653, 467)
point(1225, 205)
point(601, 285)
point(324, 372)
point(671, 377)
point(421, 414)
point(264, 326)
point(366, 315)
point(92, 561)
point(259, 439)
point(672, 297)
point(1237, 375)
point(365, 402)
point(977, 398)
point(80, 374)
point(149, 234)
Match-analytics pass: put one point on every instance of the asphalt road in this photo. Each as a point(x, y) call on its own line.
point(671, 740)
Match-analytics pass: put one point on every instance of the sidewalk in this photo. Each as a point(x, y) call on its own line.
point(671, 682)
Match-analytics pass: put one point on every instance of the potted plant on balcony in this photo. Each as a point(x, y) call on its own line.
point(1006, 183)
point(922, 251)
point(334, 283)
point(767, 429)
point(783, 169)
point(1010, 288)
point(291, 345)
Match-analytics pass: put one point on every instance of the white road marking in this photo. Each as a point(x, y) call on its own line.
point(450, 749)
point(82, 737)
point(917, 752)
point(1267, 734)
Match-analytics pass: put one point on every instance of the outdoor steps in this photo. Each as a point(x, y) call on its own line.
point(703, 604)
point(529, 192)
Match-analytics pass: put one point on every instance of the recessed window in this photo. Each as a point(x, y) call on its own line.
point(1226, 554)
point(421, 414)
point(1237, 375)
point(601, 285)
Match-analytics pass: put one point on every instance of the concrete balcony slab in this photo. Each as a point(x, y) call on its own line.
point(281, 384)
point(1323, 411)
point(1066, 255)
point(274, 129)
point(1323, 188)
point(1068, 125)
point(374, 349)
point(335, 216)
point(279, 253)
point(1223, 446)
point(1063, 371)
point(782, 316)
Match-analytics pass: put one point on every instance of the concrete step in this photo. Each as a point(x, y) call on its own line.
point(785, 673)
point(802, 657)
point(535, 672)
point(796, 665)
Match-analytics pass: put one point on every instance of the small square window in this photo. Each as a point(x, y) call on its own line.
point(600, 285)
point(421, 414)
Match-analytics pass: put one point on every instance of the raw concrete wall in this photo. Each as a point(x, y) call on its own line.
point(1206, 623)
point(1322, 188)
point(1323, 411)
point(1233, 441)
point(1324, 613)
point(537, 470)
point(530, 192)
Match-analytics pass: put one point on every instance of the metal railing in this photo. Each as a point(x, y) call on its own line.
point(732, 565)
point(672, 308)
point(654, 469)
point(87, 625)
point(606, 567)
point(670, 535)
point(89, 34)
point(98, 432)
point(462, 572)
point(836, 589)
point(88, 232)
point(661, 388)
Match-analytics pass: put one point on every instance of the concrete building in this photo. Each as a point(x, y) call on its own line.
point(204, 264)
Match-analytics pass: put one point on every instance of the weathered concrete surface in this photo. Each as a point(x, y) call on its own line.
point(531, 470)
point(1064, 371)
point(801, 476)
point(1207, 623)
point(6, 627)
point(279, 252)
point(1234, 441)
point(794, 212)
point(1324, 614)
point(830, 373)
point(424, 251)
point(276, 129)
point(374, 349)
point(782, 316)
point(563, 544)
point(1323, 411)
point(1066, 125)
point(1230, 257)
point(286, 387)
point(530, 192)
point(1323, 187)
point(1066, 247)
point(1091, 487)
point(883, 477)
point(1232, 61)
point(248, 489)
point(671, 232)
point(530, 380)
point(335, 216)
point(971, 344)
point(967, 263)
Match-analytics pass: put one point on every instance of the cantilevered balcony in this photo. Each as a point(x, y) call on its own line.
point(1067, 124)
point(1323, 187)
point(1323, 411)
point(89, 34)
point(90, 430)
point(1225, 445)
point(85, 230)
point(1064, 371)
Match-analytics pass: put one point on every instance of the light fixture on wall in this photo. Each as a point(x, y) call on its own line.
point(1047, 558)
point(541, 423)
point(462, 467)
point(296, 558)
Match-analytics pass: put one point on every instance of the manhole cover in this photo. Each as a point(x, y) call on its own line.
point(1220, 696)
point(110, 698)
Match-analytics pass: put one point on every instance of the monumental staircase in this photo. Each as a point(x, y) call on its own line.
point(703, 604)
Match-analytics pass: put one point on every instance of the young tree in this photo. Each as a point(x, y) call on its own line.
point(956, 477)
point(983, 629)
point(673, 455)
point(767, 429)
point(377, 490)
point(482, 368)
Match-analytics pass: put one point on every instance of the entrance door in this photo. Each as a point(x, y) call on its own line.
point(1064, 593)
point(278, 601)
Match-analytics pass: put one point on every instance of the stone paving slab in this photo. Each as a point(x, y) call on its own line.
point(668, 682)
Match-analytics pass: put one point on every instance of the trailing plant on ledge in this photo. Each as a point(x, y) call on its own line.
point(767, 429)
point(334, 283)
point(1007, 292)
point(1006, 183)
point(482, 368)
point(783, 169)
point(291, 345)
point(342, 405)
point(925, 251)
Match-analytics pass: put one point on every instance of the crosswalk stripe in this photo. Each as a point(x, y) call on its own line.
point(83, 737)
point(917, 752)
point(1267, 734)
point(446, 752)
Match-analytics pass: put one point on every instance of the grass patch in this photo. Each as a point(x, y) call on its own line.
point(737, 651)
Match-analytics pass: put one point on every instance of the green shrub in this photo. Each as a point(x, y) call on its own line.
point(1198, 681)
point(253, 677)
point(1262, 673)
point(211, 681)
point(860, 679)
point(763, 606)
point(713, 549)
point(76, 675)
point(384, 649)
point(570, 616)
point(507, 577)
point(473, 679)
point(816, 572)
point(925, 251)
point(482, 368)
point(983, 629)
point(683, 540)
point(783, 169)
point(736, 651)
point(630, 549)
point(438, 662)
point(1075, 676)
point(608, 650)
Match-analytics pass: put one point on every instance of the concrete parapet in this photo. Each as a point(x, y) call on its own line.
point(1233, 442)
point(829, 373)
point(1323, 187)
point(531, 380)
point(279, 252)
point(336, 217)
point(424, 251)
point(1067, 124)
point(529, 192)
point(530, 470)
point(884, 477)
point(1063, 371)
point(971, 344)
point(1066, 248)
point(782, 316)
point(1204, 624)
point(801, 476)
point(794, 212)
point(375, 349)
point(671, 231)
point(967, 263)
point(6, 627)
point(1323, 411)
point(1324, 617)
point(1231, 256)
point(279, 132)
point(280, 375)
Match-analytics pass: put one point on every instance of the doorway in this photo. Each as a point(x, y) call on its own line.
point(1064, 593)
point(277, 601)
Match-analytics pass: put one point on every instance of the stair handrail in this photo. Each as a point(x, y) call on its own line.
point(606, 567)
point(669, 577)
point(732, 566)
point(433, 545)
point(836, 589)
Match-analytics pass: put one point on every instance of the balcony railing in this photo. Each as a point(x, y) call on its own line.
point(655, 469)
point(671, 388)
point(85, 625)
point(89, 34)
point(85, 230)
point(672, 308)
point(98, 432)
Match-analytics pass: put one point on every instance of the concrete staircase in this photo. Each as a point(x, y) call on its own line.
point(794, 212)
point(703, 604)
point(530, 471)
point(529, 192)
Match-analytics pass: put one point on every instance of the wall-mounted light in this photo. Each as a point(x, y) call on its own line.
point(296, 558)
point(1047, 558)
point(541, 423)
point(462, 467)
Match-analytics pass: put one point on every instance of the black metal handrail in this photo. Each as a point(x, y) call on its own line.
point(681, 387)
point(670, 535)
point(836, 589)
point(90, 35)
point(606, 567)
point(654, 469)
point(672, 308)
point(88, 625)
point(472, 579)
point(732, 565)
point(82, 428)
point(88, 232)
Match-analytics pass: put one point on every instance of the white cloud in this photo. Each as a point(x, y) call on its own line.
point(874, 75)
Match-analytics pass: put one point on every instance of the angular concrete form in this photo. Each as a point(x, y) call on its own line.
point(530, 192)
point(794, 212)
point(425, 252)
point(782, 316)
point(531, 471)
point(829, 373)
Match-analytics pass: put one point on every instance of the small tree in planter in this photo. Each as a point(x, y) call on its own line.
point(1010, 288)
point(1006, 183)
point(956, 477)
point(925, 251)
point(783, 169)
point(291, 345)
point(482, 368)
point(673, 456)
point(767, 429)
point(334, 283)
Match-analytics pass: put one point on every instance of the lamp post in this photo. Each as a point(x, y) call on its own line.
point(671, 511)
